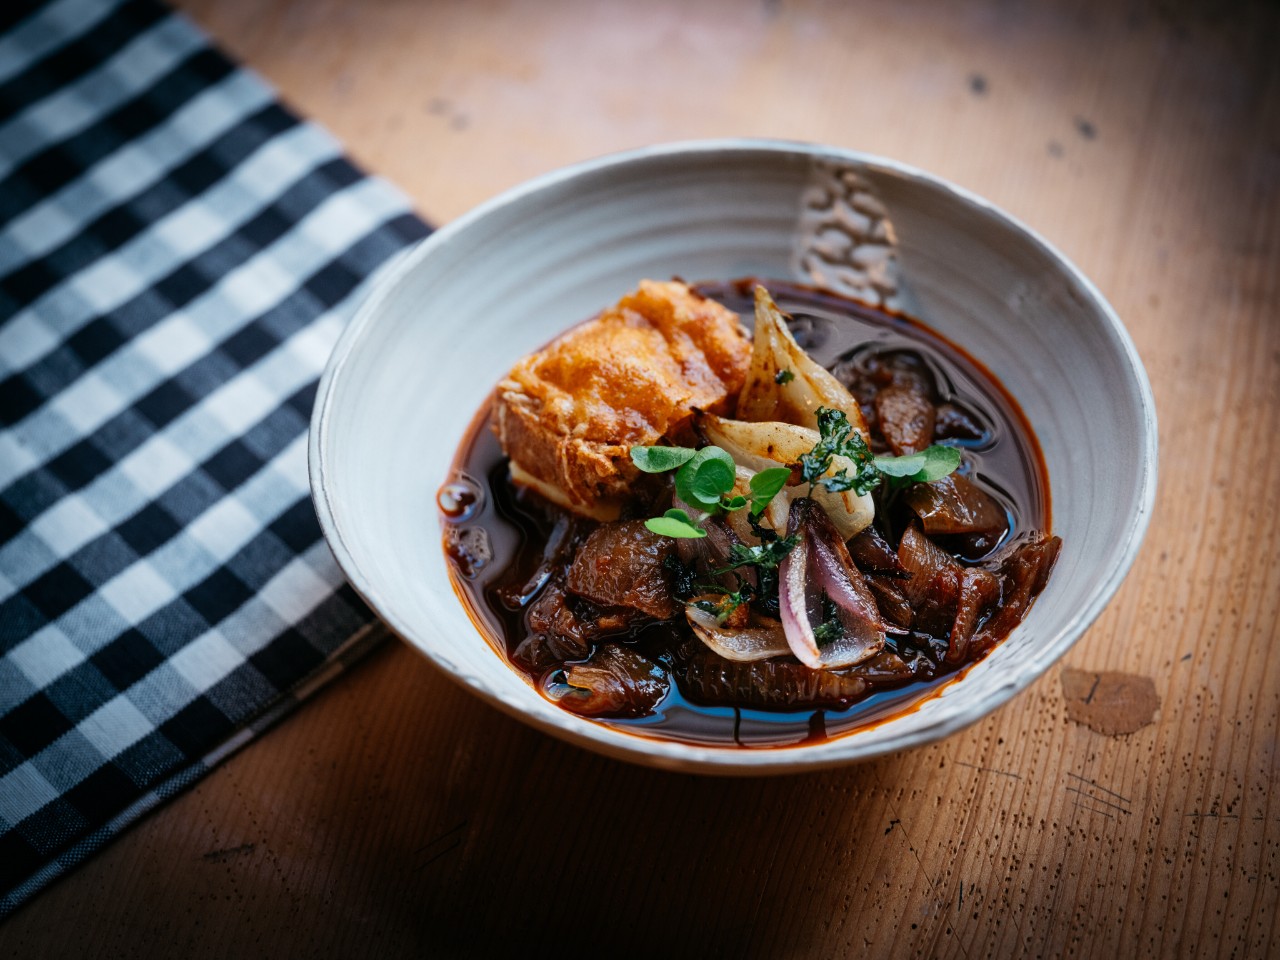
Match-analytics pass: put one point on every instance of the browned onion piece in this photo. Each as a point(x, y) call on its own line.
point(906, 419)
point(925, 561)
point(555, 633)
point(1023, 574)
point(893, 606)
point(706, 554)
point(979, 589)
point(872, 554)
point(616, 682)
point(622, 565)
point(949, 600)
point(955, 504)
point(797, 399)
point(559, 632)
point(934, 587)
point(887, 667)
point(820, 565)
point(954, 422)
point(711, 679)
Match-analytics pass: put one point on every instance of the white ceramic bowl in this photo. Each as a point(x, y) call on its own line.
point(453, 315)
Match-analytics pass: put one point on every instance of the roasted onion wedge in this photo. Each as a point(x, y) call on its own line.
point(761, 639)
point(829, 614)
point(759, 446)
point(809, 387)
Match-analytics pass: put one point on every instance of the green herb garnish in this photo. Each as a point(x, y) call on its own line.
point(827, 632)
point(830, 629)
point(765, 486)
point(726, 605)
point(675, 523)
point(838, 438)
point(783, 377)
point(705, 479)
point(660, 459)
point(764, 556)
point(931, 463)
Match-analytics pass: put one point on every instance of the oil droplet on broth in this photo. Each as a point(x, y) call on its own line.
point(460, 499)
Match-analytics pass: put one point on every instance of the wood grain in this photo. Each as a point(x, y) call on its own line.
point(398, 816)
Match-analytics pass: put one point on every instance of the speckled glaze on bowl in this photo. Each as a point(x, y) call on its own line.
point(453, 315)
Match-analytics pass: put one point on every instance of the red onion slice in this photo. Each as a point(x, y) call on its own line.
point(820, 562)
point(792, 604)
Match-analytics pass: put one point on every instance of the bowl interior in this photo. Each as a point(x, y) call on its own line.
point(429, 345)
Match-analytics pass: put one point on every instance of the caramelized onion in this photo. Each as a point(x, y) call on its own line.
point(1023, 575)
point(872, 554)
point(703, 555)
point(616, 682)
point(978, 591)
point(926, 562)
point(955, 504)
point(622, 564)
point(949, 600)
point(776, 684)
point(906, 419)
point(893, 606)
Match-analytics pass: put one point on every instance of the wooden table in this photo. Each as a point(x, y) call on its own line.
point(399, 816)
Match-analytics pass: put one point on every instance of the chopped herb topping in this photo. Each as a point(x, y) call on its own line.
point(783, 376)
point(764, 556)
point(830, 629)
point(724, 607)
point(684, 582)
point(838, 438)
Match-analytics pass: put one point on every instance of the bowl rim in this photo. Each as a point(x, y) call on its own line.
point(676, 755)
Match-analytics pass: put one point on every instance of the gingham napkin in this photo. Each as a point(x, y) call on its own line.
point(177, 256)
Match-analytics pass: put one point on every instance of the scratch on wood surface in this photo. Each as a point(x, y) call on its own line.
point(1106, 803)
point(1089, 797)
point(1098, 786)
point(974, 766)
point(1109, 703)
point(218, 856)
point(928, 878)
point(441, 844)
point(1085, 806)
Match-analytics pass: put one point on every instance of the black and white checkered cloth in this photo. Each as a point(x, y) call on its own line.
point(177, 256)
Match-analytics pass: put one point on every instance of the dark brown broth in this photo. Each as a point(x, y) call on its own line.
point(495, 533)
